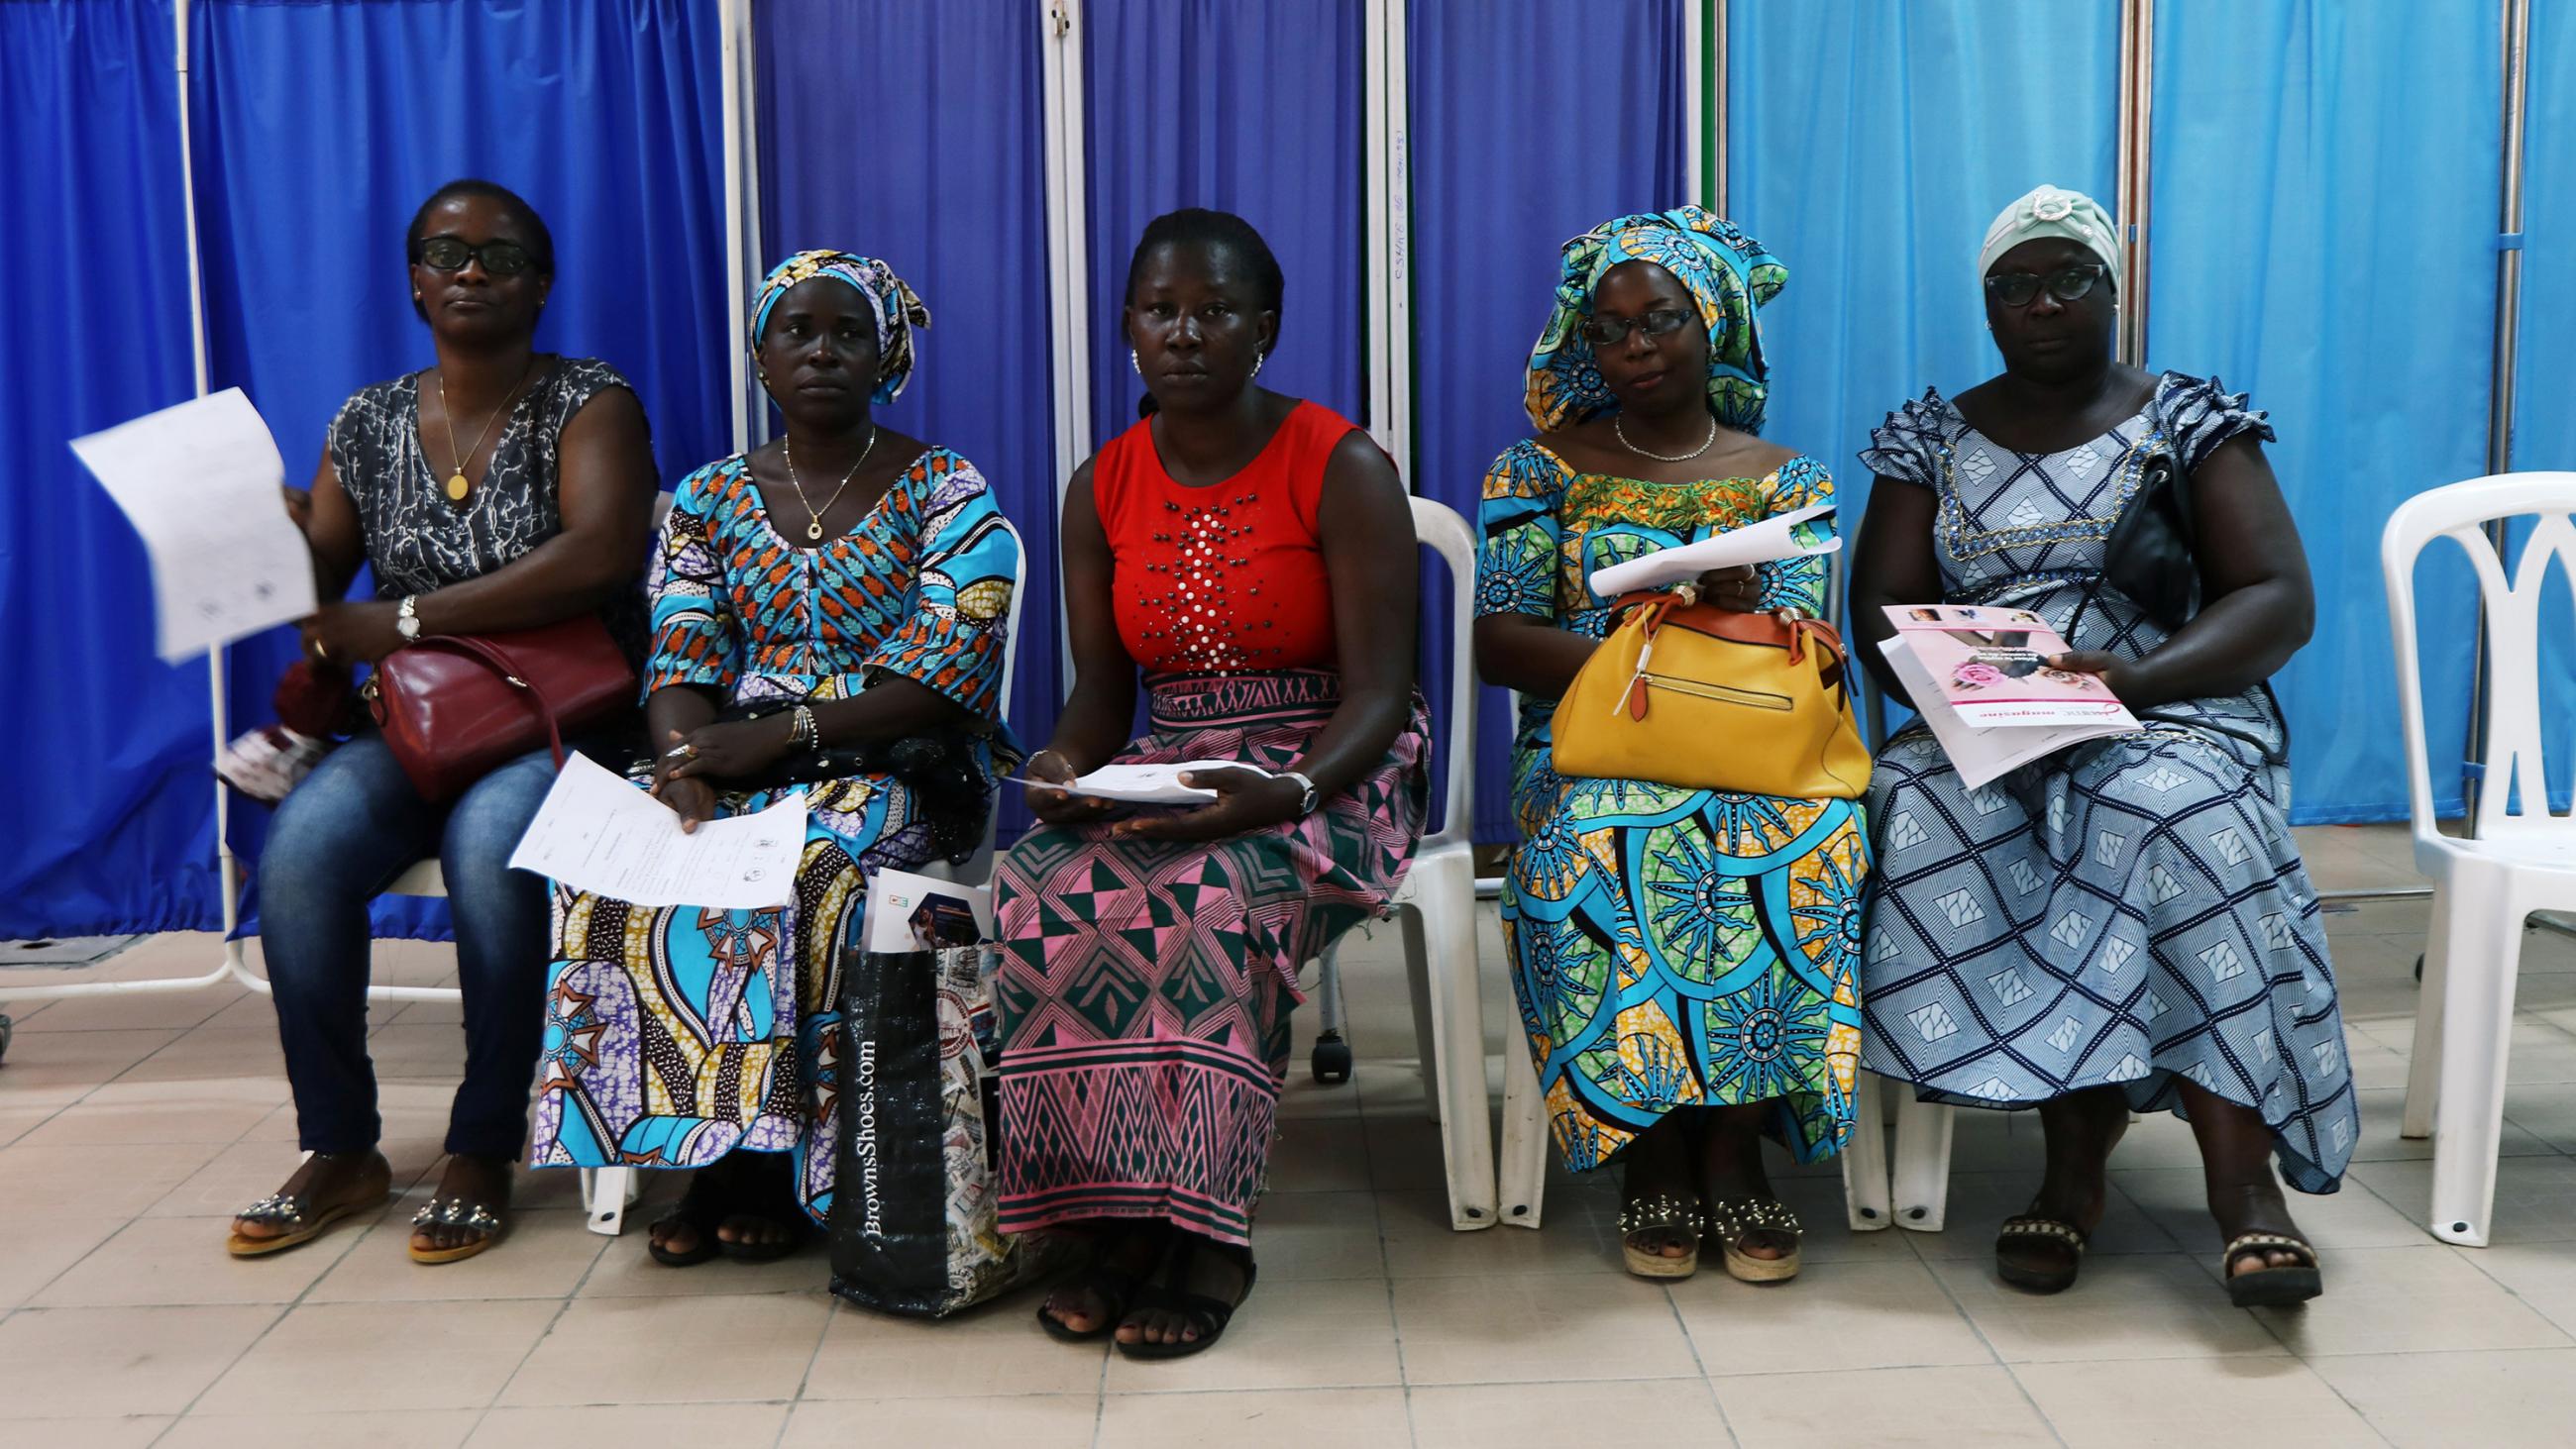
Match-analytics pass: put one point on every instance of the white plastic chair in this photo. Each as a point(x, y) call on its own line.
point(1525, 1135)
point(2518, 857)
point(1436, 910)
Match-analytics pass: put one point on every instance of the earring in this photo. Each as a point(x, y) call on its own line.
point(415, 297)
point(1258, 359)
point(1132, 362)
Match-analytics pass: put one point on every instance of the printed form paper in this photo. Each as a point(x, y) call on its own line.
point(598, 833)
point(1147, 784)
point(1786, 535)
point(200, 483)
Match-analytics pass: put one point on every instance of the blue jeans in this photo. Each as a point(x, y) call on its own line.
point(339, 839)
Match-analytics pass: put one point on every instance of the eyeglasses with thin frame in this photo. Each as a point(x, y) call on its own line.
point(500, 258)
point(1611, 331)
point(2066, 284)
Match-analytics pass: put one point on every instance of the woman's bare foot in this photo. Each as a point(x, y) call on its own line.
point(2080, 1129)
point(1126, 1251)
point(1731, 1171)
point(475, 1182)
point(1657, 1178)
point(328, 1183)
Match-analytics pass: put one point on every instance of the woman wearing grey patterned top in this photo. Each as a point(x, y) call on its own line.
point(2125, 924)
point(500, 489)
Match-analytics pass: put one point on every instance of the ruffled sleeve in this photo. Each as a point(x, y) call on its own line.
point(953, 642)
point(695, 640)
point(1799, 583)
point(2198, 414)
point(1516, 565)
point(1907, 446)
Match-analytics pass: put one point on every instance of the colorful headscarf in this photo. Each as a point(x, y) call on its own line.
point(1728, 272)
point(896, 309)
point(2045, 211)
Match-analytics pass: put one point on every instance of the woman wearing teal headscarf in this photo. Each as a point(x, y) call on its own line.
point(815, 601)
point(1682, 958)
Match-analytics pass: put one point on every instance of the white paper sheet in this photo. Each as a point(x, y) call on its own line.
point(1148, 784)
point(1786, 535)
point(200, 483)
point(596, 832)
point(1982, 753)
point(893, 896)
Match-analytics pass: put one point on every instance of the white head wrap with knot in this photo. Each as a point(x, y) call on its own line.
point(2047, 211)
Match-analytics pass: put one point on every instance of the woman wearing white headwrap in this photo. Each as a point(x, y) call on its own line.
point(2126, 924)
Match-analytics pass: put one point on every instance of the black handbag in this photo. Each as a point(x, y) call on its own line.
point(939, 767)
point(2148, 556)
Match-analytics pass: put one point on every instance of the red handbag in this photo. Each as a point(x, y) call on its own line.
point(456, 706)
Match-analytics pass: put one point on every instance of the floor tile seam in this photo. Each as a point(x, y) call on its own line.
point(1386, 1269)
point(494, 1402)
point(2051, 1421)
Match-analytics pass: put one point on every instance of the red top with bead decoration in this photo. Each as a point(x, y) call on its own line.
point(1229, 577)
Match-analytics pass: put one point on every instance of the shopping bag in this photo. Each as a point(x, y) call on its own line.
point(912, 1222)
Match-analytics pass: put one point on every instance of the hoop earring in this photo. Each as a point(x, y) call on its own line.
point(1132, 362)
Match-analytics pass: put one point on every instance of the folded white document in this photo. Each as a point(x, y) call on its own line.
point(1148, 784)
point(1982, 753)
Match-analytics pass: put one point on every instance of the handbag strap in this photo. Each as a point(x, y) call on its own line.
point(502, 664)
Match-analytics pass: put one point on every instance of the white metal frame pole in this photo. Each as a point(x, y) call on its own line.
point(2516, 22)
point(1695, 102)
point(742, 216)
point(1388, 169)
point(1068, 255)
point(2135, 196)
point(228, 871)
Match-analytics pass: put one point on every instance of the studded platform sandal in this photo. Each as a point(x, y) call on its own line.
point(1735, 1219)
point(1662, 1210)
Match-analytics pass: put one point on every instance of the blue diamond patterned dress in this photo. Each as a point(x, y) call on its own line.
point(2124, 913)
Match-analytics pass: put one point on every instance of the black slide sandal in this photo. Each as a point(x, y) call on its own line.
point(697, 1208)
point(1208, 1315)
point(2272, 1287)
point(1114, 1289)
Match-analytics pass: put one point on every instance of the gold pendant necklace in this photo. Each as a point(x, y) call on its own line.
point(457, 486)
point(814, 515)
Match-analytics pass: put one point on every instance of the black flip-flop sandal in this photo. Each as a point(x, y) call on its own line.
point(772, 1201)
point(700, 1208)
point(2271, 1287)
point(1115, 1289)
point(1208, 1315)
point(2040, 1228)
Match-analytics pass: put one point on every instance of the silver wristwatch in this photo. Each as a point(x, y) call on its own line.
point(1305, 806)
point(407, 621)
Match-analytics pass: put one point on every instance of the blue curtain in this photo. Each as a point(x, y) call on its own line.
point(953, 197)
point(110, 817)
point(320, 128)
point(2332, 249)
point(1868, 147)
point(1518, 144)
point(1250, 108)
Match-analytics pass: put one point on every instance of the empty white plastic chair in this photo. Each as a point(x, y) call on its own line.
point(1436, 910)
point(2518, 857)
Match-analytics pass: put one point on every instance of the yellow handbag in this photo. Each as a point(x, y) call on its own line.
point(1685, 693)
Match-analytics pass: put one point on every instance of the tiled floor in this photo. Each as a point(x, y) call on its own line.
point(129, 1128)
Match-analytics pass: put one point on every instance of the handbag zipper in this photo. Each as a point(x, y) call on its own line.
point(1752, 699)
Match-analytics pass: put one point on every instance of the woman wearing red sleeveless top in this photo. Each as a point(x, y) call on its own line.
point(1253, 555)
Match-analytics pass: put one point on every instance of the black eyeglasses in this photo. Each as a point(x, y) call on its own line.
point(1611, 331)
point(2066, 284)
point(500, 258)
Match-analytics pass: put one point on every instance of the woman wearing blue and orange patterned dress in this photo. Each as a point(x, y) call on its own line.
point(828, 614)
point(1683, 958)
